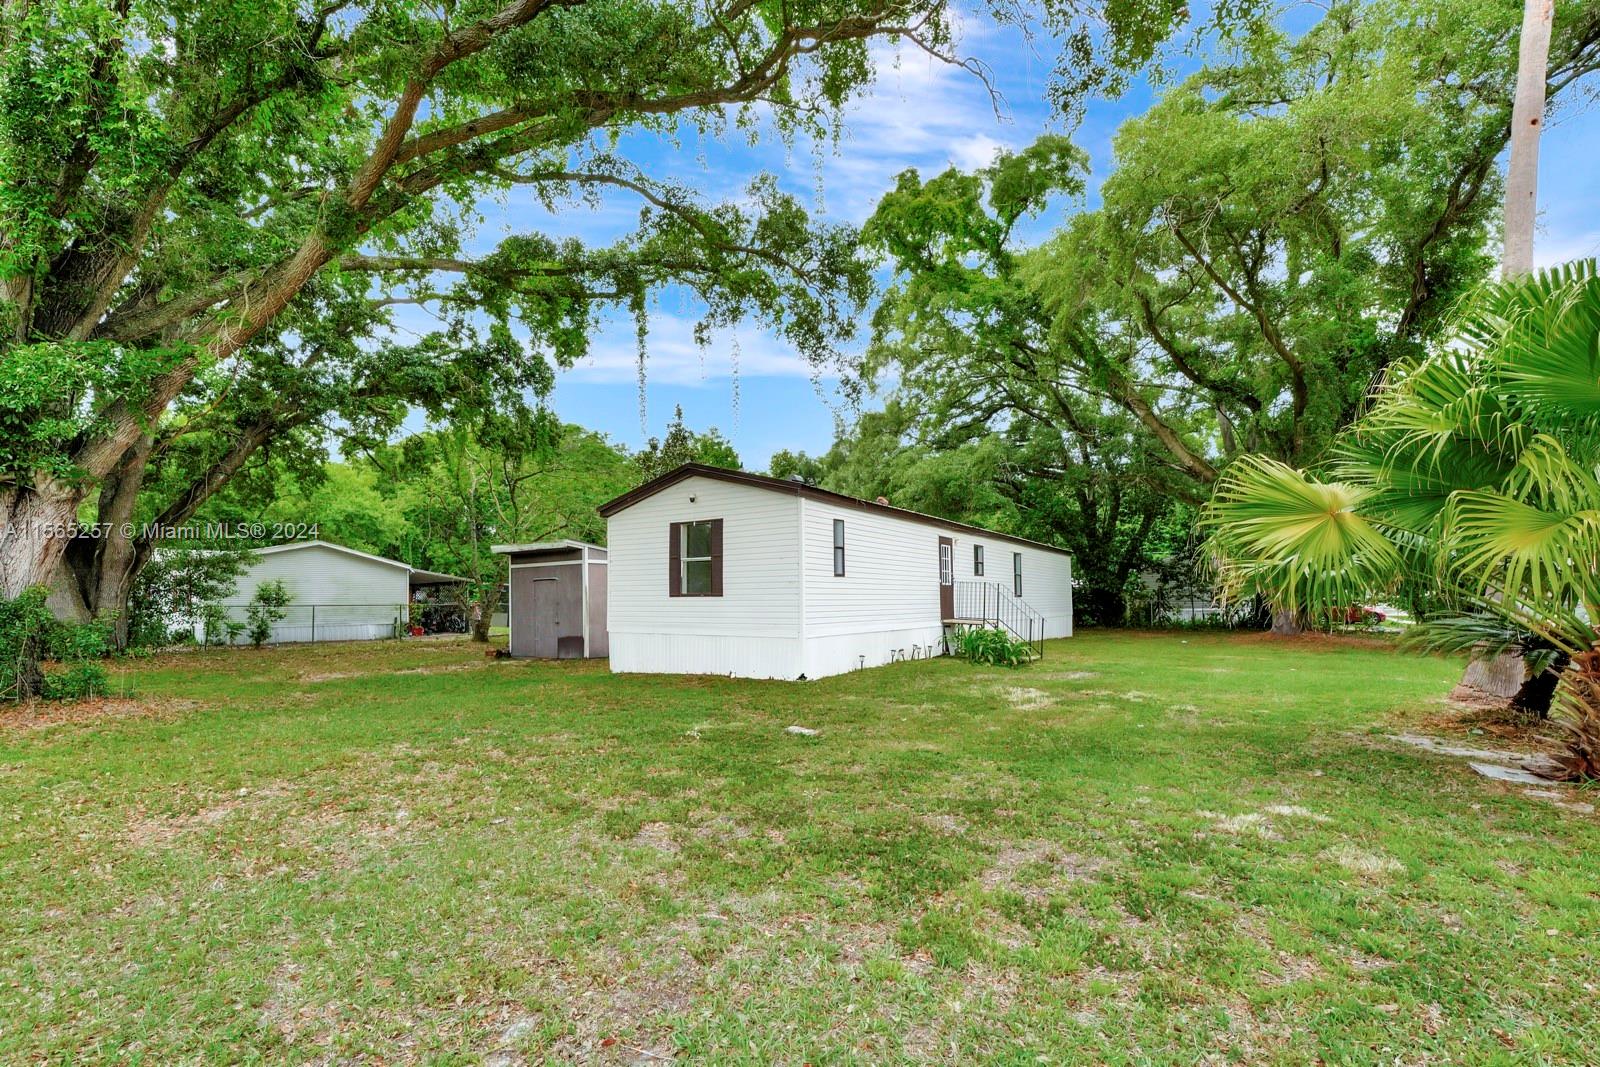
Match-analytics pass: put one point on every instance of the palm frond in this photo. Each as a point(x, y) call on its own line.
point(1498, 541)
point(1538, 340)
point(1297, 541)
point(1477, 634)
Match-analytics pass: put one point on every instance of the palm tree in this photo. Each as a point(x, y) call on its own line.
point(1527, 119)
point(1475, 481)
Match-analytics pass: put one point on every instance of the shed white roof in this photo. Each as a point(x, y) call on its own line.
point(544, 546)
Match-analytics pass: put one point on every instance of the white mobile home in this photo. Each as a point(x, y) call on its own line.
point(721, 572)
point(337, 593)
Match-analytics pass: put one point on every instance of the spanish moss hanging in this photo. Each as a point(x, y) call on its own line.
point(641, 327)
point(733, 360)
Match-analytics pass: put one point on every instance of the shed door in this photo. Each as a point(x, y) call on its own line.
point(947, 578)
point(547, 606)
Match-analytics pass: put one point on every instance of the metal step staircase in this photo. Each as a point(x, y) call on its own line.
point(991, 604)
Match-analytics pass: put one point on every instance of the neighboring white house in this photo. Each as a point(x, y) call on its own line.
point(337, 593)
point(722, 572)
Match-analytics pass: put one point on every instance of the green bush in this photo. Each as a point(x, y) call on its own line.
point(267, 607)
point(991, 645)
point(181, 585)
point(76, 682)
point(30, 637)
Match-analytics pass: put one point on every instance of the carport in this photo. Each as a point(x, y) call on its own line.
point(557, 600)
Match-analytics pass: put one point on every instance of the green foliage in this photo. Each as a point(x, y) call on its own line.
point(789, 465)
point(77, 682)
point(1277, 231)
point(177, 585)
point(682, 445)
point(1475, 474)
point(1283, 227)
point(31, 639)
point(25, 623)
point(1296, 540)
point(993, 646)
point(205, 242)
point(217, 626)
point(267, 608)
point(46, 397)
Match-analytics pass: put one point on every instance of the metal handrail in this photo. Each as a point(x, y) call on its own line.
point(992, 604)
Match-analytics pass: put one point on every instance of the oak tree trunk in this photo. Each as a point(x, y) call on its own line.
point(34, 521)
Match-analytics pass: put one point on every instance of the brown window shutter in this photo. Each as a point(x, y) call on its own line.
point(716, 557)
point(674, 558)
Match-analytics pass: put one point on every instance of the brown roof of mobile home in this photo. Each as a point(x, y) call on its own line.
point(780, 485)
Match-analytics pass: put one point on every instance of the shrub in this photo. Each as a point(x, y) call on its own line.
point(267, 608)
point(30, 636)
point(76, 682)
point(213, 624)
point(987, 644)
point(177, 588)
point(24, 624)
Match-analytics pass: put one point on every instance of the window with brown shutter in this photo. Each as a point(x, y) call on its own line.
point(675, 559)
point(694, 558)
point(716, 558)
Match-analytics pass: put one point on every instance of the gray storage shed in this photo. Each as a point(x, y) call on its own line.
point(558, 600)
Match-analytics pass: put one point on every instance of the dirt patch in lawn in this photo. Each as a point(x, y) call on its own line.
point(1312, 640)
point(147, 829)
point(657, 835)
point(1361, 862)
point(1497, 721)
point(467, 665)
point(1037, 870)
point(1024, 698)
point(312, 677)
point(41, 714)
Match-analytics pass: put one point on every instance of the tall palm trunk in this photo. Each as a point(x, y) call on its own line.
point(1527, 119)
point(1288, 622)
point(1504, 675)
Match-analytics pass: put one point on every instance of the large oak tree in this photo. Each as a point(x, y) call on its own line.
point(1276, 232)
point(180, 180)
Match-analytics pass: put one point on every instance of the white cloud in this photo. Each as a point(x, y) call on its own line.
point(1550, 249)
point(975, 151)
point(921, 113)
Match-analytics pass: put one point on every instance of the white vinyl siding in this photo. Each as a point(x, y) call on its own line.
point(1047, 587)
point(752, 629)
point(784, 612)
point(892, 579)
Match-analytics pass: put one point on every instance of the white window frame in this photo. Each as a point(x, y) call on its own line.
point(684, 559)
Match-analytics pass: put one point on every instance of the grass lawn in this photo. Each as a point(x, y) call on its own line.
point(1145, 849)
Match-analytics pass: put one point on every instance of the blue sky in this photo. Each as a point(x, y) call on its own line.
point(919, 113)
